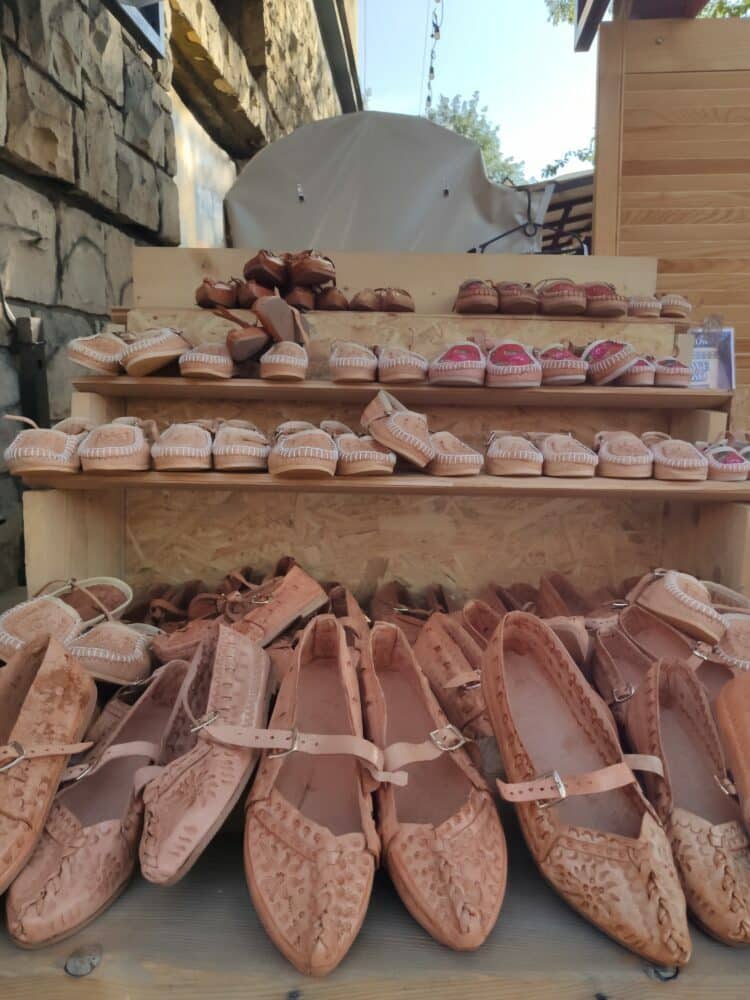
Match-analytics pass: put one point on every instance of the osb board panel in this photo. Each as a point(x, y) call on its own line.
point(471, 423)
point(427, 334)
point(711, 541)
point(362, 541)
point(169, 277)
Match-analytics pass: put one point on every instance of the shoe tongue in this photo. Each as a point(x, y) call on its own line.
point(463, 352)
point(602, 349)
point(510, 354)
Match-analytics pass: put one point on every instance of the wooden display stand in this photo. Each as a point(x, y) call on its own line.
point(462, 533)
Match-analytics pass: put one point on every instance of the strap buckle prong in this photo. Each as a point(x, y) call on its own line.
point(20, 753)
point(288, 750)
point(562, 791)
point(625, 693)
point(204, 722)
point(449, 738)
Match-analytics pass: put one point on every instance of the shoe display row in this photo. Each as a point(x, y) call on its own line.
point(509, 365)
point(361, 741)
point(564, 297)
point(300, 448)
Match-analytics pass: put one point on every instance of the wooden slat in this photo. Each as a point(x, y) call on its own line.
point(608, 172)
point(667, 198)
point(643, 106)
point(726, 138)
point(708, 182)
point(247, 390)
point(400, 484)
point(672, 45)
point(663, 163)
point(687, 79)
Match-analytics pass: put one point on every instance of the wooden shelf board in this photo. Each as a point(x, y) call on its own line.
point(202, 940)
point(415, 484)
point(316, 390)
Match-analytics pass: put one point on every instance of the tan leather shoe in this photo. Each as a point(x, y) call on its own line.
point(451, 660)
point(46, 449)
point(453, 457)
point(239, 446)
point(212, 361)
point(622, 455)
point(310, 267)
point(670, 717)
point(122, 446)
point(442, 840)
point(301, 449)
point(268, 268)
point(399, 429)
point(47, 701)
point(592, 833)
point(100, 353)
point(184, 447)
point(212, 293)
point(558, 596)
point(393, 603)
point(310, 842)
point(152, 351)
point(88, 850)
point(682, 601)
point(285, 362)
point(189, 801)
point(280, 602)
point(398, 364)
point(114, 652)
point(352, 362)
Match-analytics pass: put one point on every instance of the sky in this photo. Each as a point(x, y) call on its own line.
point(539, 91)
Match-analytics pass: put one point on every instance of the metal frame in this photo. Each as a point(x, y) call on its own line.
point(131, 18)
point(589, 15)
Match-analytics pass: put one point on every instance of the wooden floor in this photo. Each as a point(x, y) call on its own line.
point(201, 940)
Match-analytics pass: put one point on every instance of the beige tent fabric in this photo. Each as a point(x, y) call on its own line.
point(377, 182)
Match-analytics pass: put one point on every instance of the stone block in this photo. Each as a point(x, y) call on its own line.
point(95, 262)
point(137, 195)
point(105, 53)
point(54, 35)
point(10, 532)
point(143, 113)
point(170, 147)
point(97, 162)
point(40, 122)
point(169, 209)
point(60, 328)
point(28, 262)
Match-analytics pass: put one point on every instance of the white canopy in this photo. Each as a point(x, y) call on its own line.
point(372, 181)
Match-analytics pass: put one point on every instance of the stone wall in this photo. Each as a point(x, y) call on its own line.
point(87, 161)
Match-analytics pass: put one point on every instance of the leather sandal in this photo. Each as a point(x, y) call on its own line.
point(302, 450)
point(212, 361)
point(122, 446)
point(623, 455)
point(300, 297)
point(674, 306)
point(212, 293)
point(100, 353)
point(517, 297)
point(184, 447)
point(476, 296)
point(511, 454)
point(47, 701)
point(87, 852)
point(461, 364)
point(725, 463)
point(396, 300)
point(248, 293)
point(285, 362)
point(443, 844)
point(592, 833)
point(696, 800)
point(453, 457)
point(557, 597)
point(267, 268)
point(310, 842)
point(188, 802)
point(732, 710)
point(399, 429)
point(681, 600)
point(46, 449)
point(352, 362)
point(153, 350)
point(397, 365)
point(331, 299)
point(393, 603)
point(603, 300)
point(675, 460)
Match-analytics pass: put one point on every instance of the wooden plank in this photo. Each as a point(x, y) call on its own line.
point(707, 216)
point(688, 79)
point(609, 91)
point(589, 14)
point(670, 46)
point(659, 161)
point(72, 533)
point(399, 484)
point(645, 106)
point(719, 547)
point(202, 940)
point(686, 137)
point(168, 277)
point(709, 182)
point(667, 197)
point(317, 390)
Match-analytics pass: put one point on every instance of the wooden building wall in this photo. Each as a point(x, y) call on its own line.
point(673, 159)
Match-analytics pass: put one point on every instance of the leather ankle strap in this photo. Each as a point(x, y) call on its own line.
point(14, 752)
point(135, 748)
point(552, 787)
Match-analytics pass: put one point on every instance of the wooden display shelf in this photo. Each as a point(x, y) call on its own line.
point(202, 940)
point(416, 484)
point(319, 390)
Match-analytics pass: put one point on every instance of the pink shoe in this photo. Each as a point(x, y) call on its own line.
point(462, 364)
point(725, 464)
point(672, 372)
point(510, 365)
point(603, 299)
point(560, 366)
point(643, 372)
point(608, 359)
point(561, 297)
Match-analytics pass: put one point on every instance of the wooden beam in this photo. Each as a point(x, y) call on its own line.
point(589, 15)
point(649, 9)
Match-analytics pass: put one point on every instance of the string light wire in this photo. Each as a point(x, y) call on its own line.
point(437, 24)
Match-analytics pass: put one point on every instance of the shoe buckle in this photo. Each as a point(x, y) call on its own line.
point(471, 686)
point(728, 787)
point(701, 652)
point(562, 791)
point(86, 770)
point(206, 721)
point(260, 600)
point(625, 693)
point(288, 750)
point(20, 753)
point(660, 572)
point(619, 604)
point(449, 738)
